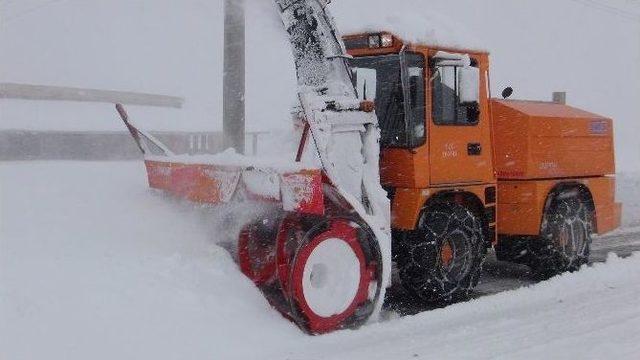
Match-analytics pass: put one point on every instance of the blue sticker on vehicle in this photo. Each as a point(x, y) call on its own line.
point(599, 127)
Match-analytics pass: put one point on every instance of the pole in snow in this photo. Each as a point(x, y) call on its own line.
point(233, 125)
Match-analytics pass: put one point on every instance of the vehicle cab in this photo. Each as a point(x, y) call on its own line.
point(433, 110)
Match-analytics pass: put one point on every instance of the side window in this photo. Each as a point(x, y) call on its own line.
point(454, 95)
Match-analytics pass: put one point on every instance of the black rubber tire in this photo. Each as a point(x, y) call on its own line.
point(565, 238)
point(420, 260)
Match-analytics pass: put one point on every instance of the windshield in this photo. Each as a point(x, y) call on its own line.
point(379, 79)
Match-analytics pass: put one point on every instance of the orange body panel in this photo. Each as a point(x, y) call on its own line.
point(406, 207)
point(538, 140)
point(408, 203)
point(521, 204)
point(405, 168)
point(194, 182)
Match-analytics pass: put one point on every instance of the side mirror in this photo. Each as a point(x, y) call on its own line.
point(469, 78)
point(507, 92)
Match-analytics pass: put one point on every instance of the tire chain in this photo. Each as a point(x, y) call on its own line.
point(461, 222)
point(548, 259)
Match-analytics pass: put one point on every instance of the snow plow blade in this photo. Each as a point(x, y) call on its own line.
point(299, 191)
point(322, 257)
point(218, 179)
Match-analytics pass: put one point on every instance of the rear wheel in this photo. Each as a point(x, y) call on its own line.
point(565, 241)
point(442, 260)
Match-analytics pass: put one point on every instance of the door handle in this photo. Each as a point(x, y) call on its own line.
point(474, 149)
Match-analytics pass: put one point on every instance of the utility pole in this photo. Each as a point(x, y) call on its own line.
point(233, 125)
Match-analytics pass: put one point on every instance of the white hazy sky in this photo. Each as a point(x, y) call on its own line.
point(174, 47)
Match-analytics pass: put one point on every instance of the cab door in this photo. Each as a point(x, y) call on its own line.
point(459, 130)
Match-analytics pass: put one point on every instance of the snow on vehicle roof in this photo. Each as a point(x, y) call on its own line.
point(410, 20)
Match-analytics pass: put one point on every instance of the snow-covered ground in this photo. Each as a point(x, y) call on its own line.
point(94, 265)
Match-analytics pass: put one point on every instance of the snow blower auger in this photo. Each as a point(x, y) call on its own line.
point(323, 257)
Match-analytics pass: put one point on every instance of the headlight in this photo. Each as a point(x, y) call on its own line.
point(374, 41)
point(387, 40)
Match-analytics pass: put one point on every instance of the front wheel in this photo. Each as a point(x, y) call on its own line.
point(334, 277)
point(323, 273)
point(442, 260)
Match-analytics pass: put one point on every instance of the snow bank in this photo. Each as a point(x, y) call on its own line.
point(628, 192)
point(93, 265)
point(591, 314)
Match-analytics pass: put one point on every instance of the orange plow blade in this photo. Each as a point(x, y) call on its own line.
point(299, 191)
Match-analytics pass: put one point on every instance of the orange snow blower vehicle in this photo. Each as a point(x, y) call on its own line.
point(404, 159)
point(465, 172)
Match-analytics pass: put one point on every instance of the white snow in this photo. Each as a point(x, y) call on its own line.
point(230, 157)
point(93, 265)
point(296, 189)
point(411, 20)
point(628, 192)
